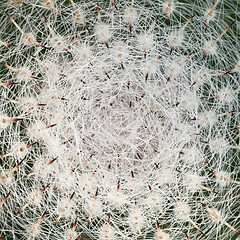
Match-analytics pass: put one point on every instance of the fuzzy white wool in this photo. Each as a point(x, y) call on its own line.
point(219, 145)
point(42, 168)
point(182, 211)
point(222, 178)
point(35, 198)
point(174, 68)
point(28, 38)
point(28, 104)
point(210, 47)
point(103, 32)
point(136, 220)
point(93, 207)
point(4, 123)
point(58, 42)
point(215, 214)
point(210, 14)
point(23, 73)
point(160, 235)
point(225, 94)
point(65, 207)
point(200, 77)
point(192, 181)
point(168, 6)
point(145, 41)
point(70, 235)
point(106, 233)
point(208, 118)
point(190, 155)
point(19, 150)
point(33, 231)
point(155, 201)
point(176, 38)
point(6, 177)
point(130, 15)
point(78, 16)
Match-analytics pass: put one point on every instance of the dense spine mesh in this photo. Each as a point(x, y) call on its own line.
point(119, 119)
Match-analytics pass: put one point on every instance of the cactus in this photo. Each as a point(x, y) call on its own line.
point(119, 120)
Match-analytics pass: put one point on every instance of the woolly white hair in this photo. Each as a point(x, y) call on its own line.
point(119, 119)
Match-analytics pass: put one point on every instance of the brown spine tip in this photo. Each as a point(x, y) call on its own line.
point(7, 196)
point(41, 104)
point(231, 24)
point(7, 84)
point(206, 27)
point(145, 53)
point(75, 224)
point(98, 8)
point(43, 189)
point(169, 19)
point(118, 186)
point(89, 220)
point(193, 83)
point(19, 163)
point(146, 77)
point(43, 214)
point(72, 195)
point(43, 46)
point(204, 55)
point(96, 193)
point(204, 205)
point(106, 43)
point(132, 174)
point(130, 27)
point(10, 45)
point(85, 26)
point(236, 232)
point(228, 72)
point(52, 125)
point(177, 104)
point(114, 4)
point(8, 15)
point(187, 236)
point(52, 161)
point(108, 219)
